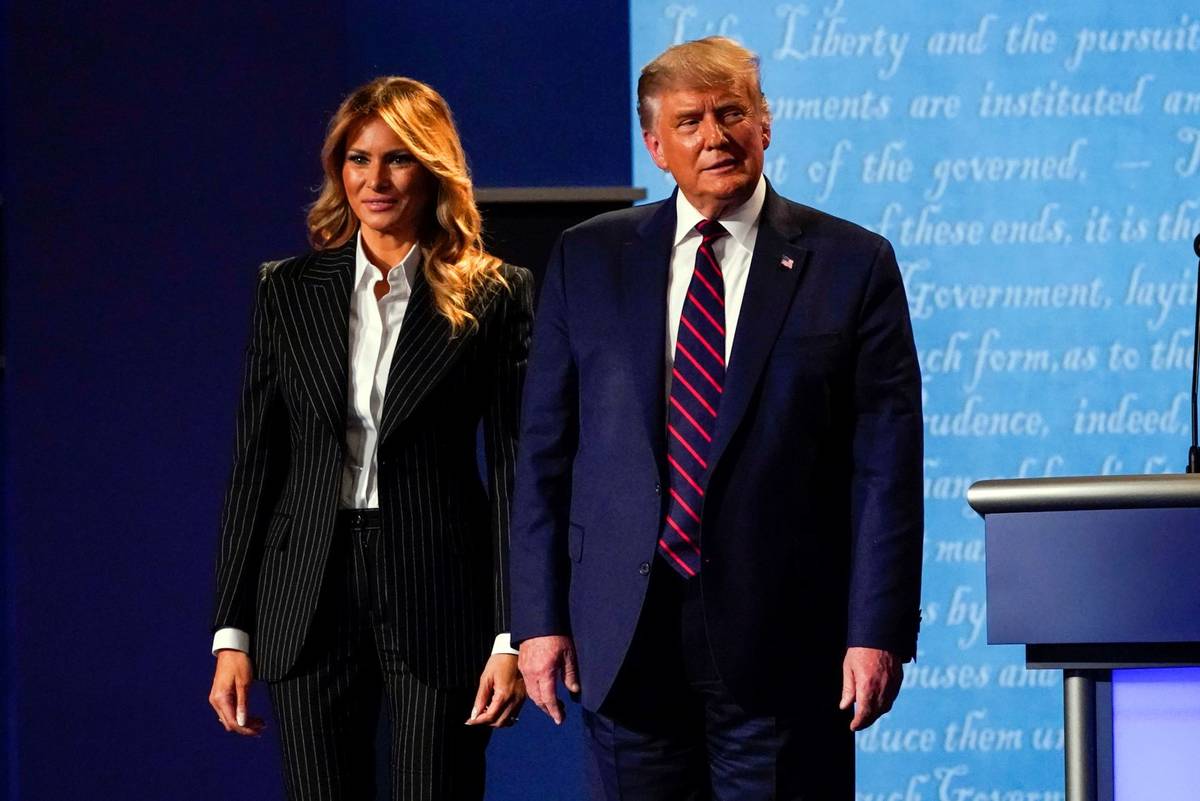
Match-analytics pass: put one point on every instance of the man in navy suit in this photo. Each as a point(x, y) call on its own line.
point(718, 513)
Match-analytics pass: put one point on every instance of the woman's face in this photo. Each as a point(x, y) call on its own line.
point(389, 191)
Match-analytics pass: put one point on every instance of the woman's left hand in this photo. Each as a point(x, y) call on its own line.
point(501, 693)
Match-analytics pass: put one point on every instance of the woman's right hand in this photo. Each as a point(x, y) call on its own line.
point(230, 695)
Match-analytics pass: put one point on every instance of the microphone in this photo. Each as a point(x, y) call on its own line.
point(1193, 464)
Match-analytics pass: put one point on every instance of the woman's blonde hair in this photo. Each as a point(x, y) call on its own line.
point(455, 263)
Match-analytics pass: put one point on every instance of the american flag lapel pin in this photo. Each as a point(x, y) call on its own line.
point(786, 262)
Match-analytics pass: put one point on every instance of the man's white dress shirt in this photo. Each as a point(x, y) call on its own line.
point(733, 253)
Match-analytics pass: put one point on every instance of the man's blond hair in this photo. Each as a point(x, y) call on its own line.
point(709, 63)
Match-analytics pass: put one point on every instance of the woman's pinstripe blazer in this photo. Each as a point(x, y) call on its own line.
point(444, 548)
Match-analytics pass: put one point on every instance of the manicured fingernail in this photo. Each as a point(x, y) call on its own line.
point(241, 718)
point(474, 713)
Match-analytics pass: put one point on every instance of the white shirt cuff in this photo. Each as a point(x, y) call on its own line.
point(238, 640)
point(503, 645)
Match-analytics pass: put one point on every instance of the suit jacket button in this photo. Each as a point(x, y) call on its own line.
point(644, 568)
point(657, 488)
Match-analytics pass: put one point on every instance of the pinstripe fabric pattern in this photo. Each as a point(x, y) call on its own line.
point(327, 707)
point(443, 550)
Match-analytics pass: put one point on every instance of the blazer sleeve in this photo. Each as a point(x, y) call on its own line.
point(259, 462)
point(549, 433)
point(501, 425)
point(886, 495)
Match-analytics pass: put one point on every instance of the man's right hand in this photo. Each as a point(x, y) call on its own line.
point(542, 661)
point(230, 695)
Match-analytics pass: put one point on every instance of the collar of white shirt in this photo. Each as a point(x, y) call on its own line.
point(363, 267)
point(741, 223)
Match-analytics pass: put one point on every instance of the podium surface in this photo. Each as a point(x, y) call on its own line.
point(1093, 574)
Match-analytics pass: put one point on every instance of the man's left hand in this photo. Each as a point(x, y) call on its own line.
point(870, 681)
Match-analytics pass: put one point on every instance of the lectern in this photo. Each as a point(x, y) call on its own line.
point(1093, 575)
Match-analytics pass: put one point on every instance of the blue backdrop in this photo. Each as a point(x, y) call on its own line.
point(1037, 168)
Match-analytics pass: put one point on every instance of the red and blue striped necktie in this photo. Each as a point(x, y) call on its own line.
point(697, 382)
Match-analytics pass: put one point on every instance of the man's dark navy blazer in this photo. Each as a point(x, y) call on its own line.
point(812, 523)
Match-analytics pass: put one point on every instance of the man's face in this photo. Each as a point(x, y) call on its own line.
point(712, 142)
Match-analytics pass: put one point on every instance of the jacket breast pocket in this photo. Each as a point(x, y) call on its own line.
point(575, 542)
point(278, 530)
point(808, 354)
point(824, 339)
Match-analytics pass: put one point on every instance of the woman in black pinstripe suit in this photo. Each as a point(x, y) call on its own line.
point(361, 555)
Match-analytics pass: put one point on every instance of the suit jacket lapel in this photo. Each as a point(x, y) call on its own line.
point(644, 269)
point(319, 328)
point(770, 288)
point(425, 350)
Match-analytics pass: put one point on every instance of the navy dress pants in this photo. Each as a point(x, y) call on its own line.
point(671, 731)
